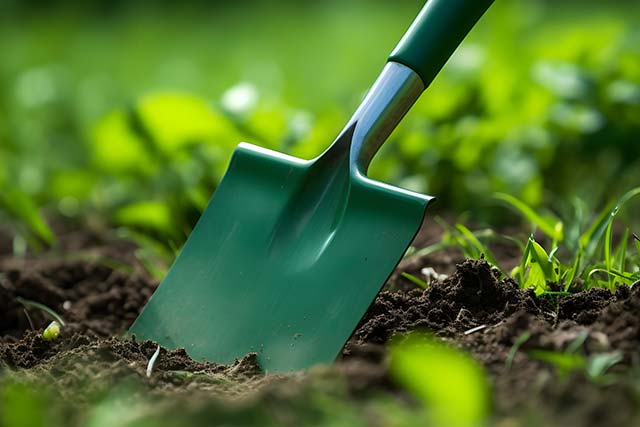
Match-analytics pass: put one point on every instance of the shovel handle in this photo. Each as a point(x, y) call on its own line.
point(437, 31)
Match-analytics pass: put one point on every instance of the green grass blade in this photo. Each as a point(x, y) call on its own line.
point(626, 278)
point(621, 251)
point(428, 250)
point(415, 280)
point(590, 240)
point(608, 258)
point(574, 226)
point(550, 226)
point(572, 273)
point(477, 244)
point(34, 304)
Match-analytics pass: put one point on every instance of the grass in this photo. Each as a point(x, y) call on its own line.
point(587, 257)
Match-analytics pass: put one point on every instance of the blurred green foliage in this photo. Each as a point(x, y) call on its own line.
point(453, 388)
point(131, 113)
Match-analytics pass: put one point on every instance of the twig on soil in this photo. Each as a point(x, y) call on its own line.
point(152, 361)
point(476, 329)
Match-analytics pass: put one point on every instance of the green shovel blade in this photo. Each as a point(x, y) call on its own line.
point(284, 261)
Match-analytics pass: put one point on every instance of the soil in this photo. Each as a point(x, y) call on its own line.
point(102, 290)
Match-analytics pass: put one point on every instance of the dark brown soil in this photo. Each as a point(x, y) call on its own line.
point(474, 297)
point(100, 294)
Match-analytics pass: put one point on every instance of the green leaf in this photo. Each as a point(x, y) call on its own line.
point(24, 405)
point(149, 215)
point(450, 384)
point(550, 226)
point(175, 120)
point(540, 256)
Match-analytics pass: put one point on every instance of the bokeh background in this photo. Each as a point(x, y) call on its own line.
point(125, 113)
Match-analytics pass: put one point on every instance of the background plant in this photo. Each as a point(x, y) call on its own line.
point(128, 113)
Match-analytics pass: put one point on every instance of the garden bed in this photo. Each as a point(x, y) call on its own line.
point(506, 329)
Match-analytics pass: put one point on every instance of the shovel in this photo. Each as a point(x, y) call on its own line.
point(289, 253)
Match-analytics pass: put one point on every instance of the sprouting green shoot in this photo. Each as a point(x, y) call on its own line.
point(537, 267)
point(415, 280)
point(52, 331)
point(34, 304)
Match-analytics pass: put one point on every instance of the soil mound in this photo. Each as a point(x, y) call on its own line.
point(473, 296)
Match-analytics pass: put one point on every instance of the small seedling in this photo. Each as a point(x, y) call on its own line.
point(152, 361)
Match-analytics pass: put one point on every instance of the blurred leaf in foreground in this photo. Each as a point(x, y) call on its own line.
point(450, 384)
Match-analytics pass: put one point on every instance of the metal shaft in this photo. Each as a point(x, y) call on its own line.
point(394, 92)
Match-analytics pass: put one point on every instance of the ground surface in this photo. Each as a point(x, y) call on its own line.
point(98, 287)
